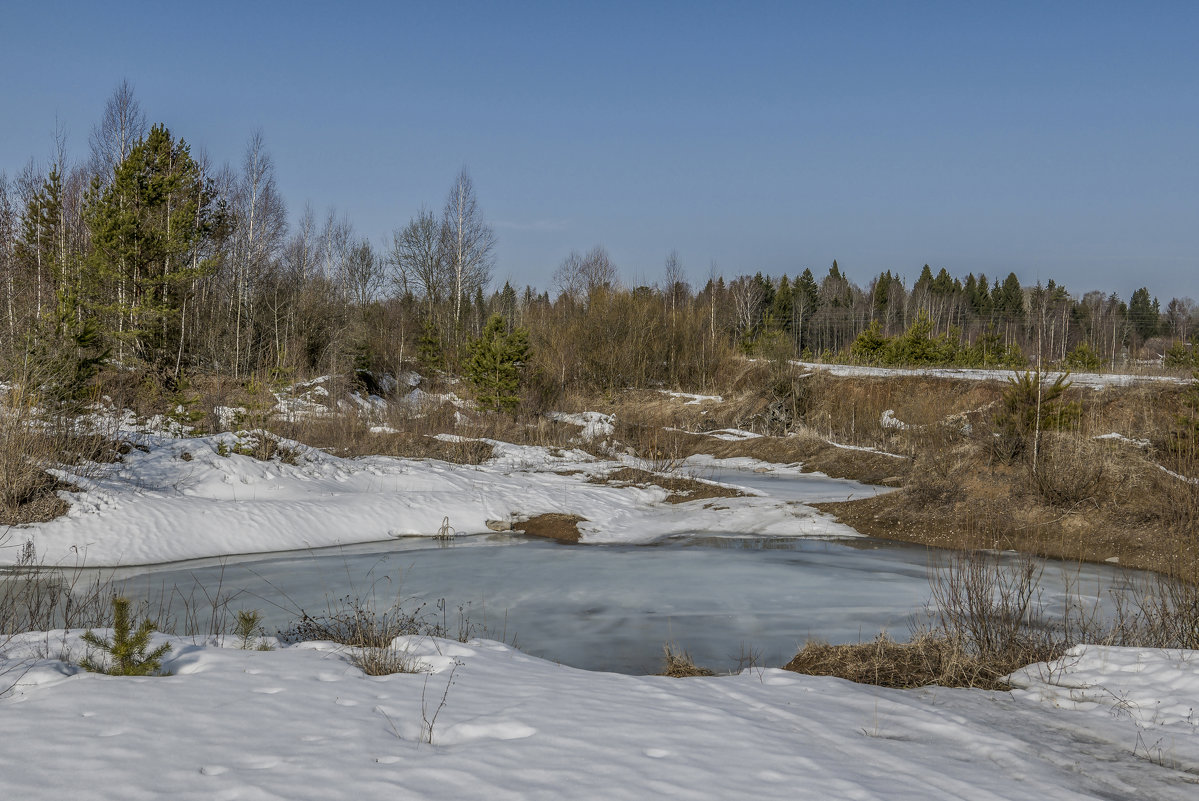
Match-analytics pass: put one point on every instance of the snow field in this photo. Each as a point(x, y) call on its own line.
point(301, 722)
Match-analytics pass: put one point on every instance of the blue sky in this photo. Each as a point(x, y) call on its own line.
point(1053, 139)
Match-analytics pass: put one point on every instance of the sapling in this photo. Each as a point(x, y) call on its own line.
point(248, 630)
point(127, 650)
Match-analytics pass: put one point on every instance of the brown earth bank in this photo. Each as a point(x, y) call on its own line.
point(552, 526)
point(1108, 476)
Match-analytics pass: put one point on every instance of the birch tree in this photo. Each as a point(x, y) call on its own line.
point(469, 241)
point(122, 125)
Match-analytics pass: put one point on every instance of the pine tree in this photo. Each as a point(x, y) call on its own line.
point(429, 348)
point(147, 227)
point(494, 363)
point(127, 648)
point(1144, 314)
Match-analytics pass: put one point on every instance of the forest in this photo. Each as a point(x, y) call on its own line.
point(152, 258)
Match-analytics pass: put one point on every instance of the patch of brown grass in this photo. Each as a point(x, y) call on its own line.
point(926, 659)
point(553, 526)
point(680, 665)
point(681, 488)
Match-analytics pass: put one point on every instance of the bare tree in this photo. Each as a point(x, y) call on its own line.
point(121, 126)
point(334, 243)
point(1180, 315)
point(469, 241)
point(748, 294)
point(676, 288)
point(260, 229)
point(579, 276)
point(362, 274)
point(417, 253)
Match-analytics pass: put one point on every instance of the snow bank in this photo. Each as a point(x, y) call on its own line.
point(302, 723)
point(196, 497)
point(1152, 687)
point(595, 425)
point(1093, 380)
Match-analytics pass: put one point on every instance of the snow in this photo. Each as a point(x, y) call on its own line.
point(1155, 688)
point(163, 506)
point(302, 722)
point(691, 399)
point(1117, 437)
point(595, 425)
point(726, 434)
point(1092, 380)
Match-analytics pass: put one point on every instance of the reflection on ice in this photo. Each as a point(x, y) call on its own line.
point(612, 607)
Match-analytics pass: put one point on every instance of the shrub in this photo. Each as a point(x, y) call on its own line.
point(1083, 357)
point(1030, 407)
point(127, 650)
point(1182, 355)
point(1069, 471)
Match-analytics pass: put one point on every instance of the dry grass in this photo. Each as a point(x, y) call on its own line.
point(681, 488)
point(33, 441)
point(553, 526)
point(679, 664)
point(386, 661)
point(927, 658)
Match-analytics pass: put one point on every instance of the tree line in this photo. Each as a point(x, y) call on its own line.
point(150, 256)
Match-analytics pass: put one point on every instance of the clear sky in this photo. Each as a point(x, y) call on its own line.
point(1053, 139)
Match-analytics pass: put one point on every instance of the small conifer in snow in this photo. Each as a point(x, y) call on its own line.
point(127, 650)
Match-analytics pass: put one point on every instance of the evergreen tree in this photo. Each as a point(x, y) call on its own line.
point(40, 247)
point(147, 226)
point(925, 280)
point(1144, 314)
point(494, 364)
point(127, 650)
point(507, 304)
point(781, 308)
point(429, 349)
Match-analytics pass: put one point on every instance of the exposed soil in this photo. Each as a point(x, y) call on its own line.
point(553, 526)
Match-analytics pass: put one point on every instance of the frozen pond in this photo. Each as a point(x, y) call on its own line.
point(721, 598)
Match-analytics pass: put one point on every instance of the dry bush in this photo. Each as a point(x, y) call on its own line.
point(679, 665)
point(386, 661)
point(1070, 470)
point(930, 483)
point(34, 440)
point(927, 658)
point(989, 621)
point(27, 448)
point(993, 608)
point(370, 632)
point(359, 623)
